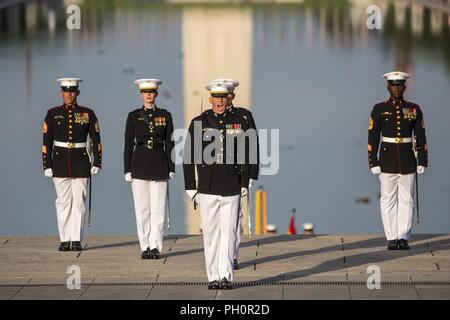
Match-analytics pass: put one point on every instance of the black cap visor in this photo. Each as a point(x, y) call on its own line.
point(69, 89)
point(219, 95)
point(148, 90)
point(396, 82)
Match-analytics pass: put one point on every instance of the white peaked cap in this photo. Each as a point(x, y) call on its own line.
point(148, 83)
point(219, 87)
point(69, 82)
point(231, 81)
point(308, 226)
point(396, 76)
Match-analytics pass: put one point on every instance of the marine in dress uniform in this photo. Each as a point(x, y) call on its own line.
point(254, 165)
point(67, 160)
point(220, 183)
point(148, 166)
point(393, 123)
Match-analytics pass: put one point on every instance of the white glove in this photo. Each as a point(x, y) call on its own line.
point(420, 169)
point(376, 170)
point(128, 177)
point(244, 192)
point(193, 195)
point(171, 175)
point(95, 170)
point(250, 183)
point(48, 173)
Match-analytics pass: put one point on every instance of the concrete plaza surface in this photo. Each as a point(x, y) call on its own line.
point(273, 267)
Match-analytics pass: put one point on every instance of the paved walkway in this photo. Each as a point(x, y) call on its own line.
point(275, 267)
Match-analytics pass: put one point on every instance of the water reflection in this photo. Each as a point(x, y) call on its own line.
point(216, 41)
point(187, 45)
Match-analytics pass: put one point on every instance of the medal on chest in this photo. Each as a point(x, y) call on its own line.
point(409, 113)
point(81, 117)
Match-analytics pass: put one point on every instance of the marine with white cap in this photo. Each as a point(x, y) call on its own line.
point(393, 122)
point(148, 166)
point(254, 150)
point(67, 161)
point(222, 179)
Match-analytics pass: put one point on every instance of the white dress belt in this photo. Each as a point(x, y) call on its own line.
point(396, 140)
point(70, 145)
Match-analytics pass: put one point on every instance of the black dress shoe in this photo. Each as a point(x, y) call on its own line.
point(235, 264)
point(64, 246)
point(213, 285)
point(76, 246)
point(145, 254)
point(403, 244)
point(154, 254)
point(392, 245)
point(225, 284)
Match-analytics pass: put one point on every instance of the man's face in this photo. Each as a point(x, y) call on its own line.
point(219, 104)
point(396, 90)
point(149, 96)
point(70, 97)
point(230, 98)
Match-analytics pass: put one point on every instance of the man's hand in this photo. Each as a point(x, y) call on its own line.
point(48, 173)
point(244, 192)
point(171, 175)
point(193, 196)
point(250, 183)
point(128, 177)
point(191, 193)
point(376, 170)
point(95, 170)
point(420, 169)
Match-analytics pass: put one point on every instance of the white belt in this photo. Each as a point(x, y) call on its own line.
point(70, 145)
point(396, 140)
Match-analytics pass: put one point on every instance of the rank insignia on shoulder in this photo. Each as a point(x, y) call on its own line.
point(58, 117)
point(81, 118)
point(370, 123)
point(387, 113)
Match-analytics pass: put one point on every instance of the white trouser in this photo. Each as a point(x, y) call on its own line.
point(150, 206)
point(239, 233)
point(219, 222)
point(397, 204)
point(70, 207)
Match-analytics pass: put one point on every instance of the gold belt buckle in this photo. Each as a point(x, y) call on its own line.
point(150, 144)
point(70, 145)
point(398, 140)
